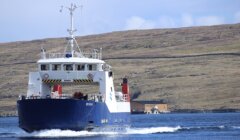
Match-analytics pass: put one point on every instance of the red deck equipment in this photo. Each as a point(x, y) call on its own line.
point(58, 88)
point(125, 89)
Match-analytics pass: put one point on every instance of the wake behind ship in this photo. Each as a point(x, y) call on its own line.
point(47, 107)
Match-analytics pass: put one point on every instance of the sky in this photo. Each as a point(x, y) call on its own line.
point(25, 20)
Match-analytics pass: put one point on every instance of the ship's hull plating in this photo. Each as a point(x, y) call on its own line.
point(70, 114)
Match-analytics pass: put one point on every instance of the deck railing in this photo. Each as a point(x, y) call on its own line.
point(94, 54)
point(90, 97)
point(126, 97)
point(123, 98)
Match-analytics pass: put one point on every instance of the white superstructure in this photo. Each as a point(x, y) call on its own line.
point(74, 66)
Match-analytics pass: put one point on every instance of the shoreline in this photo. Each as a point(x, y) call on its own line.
point(179, 111)
point(198, 111)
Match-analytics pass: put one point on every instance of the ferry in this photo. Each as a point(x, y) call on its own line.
point(46, 106)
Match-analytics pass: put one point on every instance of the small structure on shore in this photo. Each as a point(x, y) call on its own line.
point(148, 107)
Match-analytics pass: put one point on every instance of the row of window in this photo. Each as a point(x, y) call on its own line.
point(68, 67)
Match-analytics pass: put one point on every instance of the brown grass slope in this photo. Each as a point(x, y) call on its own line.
point(189, 68)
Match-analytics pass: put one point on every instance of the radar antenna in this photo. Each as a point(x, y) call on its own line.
point(69, 51)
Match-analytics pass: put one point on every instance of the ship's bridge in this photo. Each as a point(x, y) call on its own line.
point(64, 68)
point(67, 69)
point(70, 64)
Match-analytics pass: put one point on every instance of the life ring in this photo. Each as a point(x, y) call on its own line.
point(90, 76)
point(45, 76)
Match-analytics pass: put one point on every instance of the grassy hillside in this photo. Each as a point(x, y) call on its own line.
point(189, 68)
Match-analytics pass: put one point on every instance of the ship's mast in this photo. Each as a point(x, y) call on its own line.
point(72, 41)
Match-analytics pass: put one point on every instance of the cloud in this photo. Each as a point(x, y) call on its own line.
point(166, 22)
point(237, 17)
point(187, 20)
point(139, 23)
point(209, 20)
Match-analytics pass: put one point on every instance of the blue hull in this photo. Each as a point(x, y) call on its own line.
point(71, 114)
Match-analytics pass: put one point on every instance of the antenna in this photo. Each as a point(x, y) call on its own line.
point(81, 7)
point(71, 31)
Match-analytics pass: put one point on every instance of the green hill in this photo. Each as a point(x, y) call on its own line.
point(188, 68)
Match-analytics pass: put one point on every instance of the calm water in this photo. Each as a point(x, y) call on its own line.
point(209, 126)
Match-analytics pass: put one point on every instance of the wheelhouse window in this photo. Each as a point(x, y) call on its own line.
point(56, 67)
point(80, 67)
point(44, 67)
point(68, 67)
point(92, 67)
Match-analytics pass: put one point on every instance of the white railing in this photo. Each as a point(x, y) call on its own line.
point(96, 97)
point(90, 97)
point(94, 55)
point(122, 98)
point(54, 55)
point(63, 96)
point(126, 97)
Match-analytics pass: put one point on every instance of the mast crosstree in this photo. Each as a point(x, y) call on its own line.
point(72, 43)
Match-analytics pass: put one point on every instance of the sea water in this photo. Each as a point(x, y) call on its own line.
point(192, 126)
